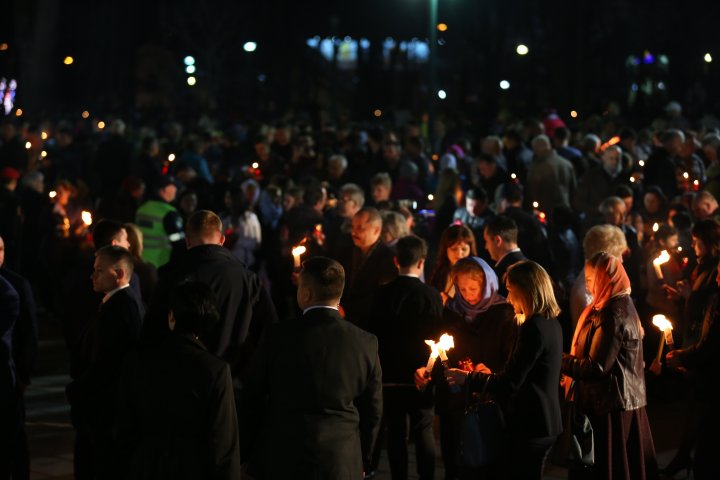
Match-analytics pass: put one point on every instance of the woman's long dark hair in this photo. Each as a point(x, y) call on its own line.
point(450, 236)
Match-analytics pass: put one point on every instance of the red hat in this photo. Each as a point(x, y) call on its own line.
point(9, 173)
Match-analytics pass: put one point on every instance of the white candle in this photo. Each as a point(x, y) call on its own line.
point(666, 328)
point(664, 257)
point(296, 252)
point(433, 356)
point(86, 217)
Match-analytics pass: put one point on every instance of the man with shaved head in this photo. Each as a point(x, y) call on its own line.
point(551, 178)
point(245, 307)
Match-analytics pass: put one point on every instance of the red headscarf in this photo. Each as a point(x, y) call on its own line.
point(608, 280)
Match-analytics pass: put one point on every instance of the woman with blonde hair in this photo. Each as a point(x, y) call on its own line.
point(146, 272)
point(528, 383)
point(606, 364)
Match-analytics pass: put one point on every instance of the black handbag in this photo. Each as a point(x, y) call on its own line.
point(484, 437)
point(575, 446)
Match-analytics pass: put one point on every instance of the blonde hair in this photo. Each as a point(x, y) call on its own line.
point(532, 284)
point(135, 239)
point(604, 238)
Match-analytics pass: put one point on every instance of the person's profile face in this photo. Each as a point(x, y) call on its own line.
point(104, 276)
point(514, 299)
point(364, 232)
point(590, 279)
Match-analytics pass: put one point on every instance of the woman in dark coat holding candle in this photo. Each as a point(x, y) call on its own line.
point(483, 326)
point(606, 362)
point(528, 386)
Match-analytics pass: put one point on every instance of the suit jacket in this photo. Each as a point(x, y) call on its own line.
point(176, 414)
point(363, 276)
point(405, 314)
point(528, 386)
point(319, 381)
point(243, 303)
point(502, 266)
point(107, 341)
point(25, 333)
point(532, 238)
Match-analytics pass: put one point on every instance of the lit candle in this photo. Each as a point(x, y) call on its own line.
point(446, 343)
point(641, 163)
point(666, 328)
point(664, 257)
point(656, 227)
point(434, 352)
point(52, 194)
point(86, 217)
point(536, 205)
point(296, 252)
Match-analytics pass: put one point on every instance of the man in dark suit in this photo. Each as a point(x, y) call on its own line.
point(406, 313)
point(176, 410)
point(245, 307)
point(368, 263)
point(318, 379)
point(24, 352)
point(501, 237)
point(106, 341)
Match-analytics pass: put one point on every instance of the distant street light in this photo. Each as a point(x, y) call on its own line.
point(68, 60)
point(522, 49)
point(442, 95)
point(708, 58)
point(191, 81)
point(189, 60)
point(250, 47)
point(504, 84)
point(442, 27)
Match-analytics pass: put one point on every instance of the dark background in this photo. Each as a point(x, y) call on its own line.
point(129, 56)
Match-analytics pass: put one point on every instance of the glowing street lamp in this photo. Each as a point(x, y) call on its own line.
point(707, 58)
point(250, 47)
point(522, 50)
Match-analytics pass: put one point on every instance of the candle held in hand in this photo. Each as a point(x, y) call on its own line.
point(664, 325)
point(663, 258)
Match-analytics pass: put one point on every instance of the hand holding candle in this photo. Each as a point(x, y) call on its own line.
point(438, 349)
point(665, 327)
point(663, 258)
point(86, 218)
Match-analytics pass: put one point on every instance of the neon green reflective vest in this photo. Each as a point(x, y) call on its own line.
point(156, 244)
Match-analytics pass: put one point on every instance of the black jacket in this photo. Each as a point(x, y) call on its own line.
point(363, 276)
point(609, 366)
point(488, 339)
point(529, 383)
point(176, 414)
point(243, 303)
point(406, 313)
point(502, 266)
point(25, 333)
point(106, 342)
point(703, 357)
point(9, 313)
point(319, 382)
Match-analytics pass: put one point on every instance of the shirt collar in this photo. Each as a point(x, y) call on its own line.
point(319, 306)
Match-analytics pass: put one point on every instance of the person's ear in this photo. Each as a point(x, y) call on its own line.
point(397, 264)
point(421, 264)
point(222, 239)
point(171, 320)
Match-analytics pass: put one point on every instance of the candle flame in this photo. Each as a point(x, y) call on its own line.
point(662, 323)
point(536, 205)
point(664, 257)
point(52, 194)
point(513, 176)
point(641, 163)
point(86, 217)
point(686, 175)
point(299, 250)
point(446, 342)
point(655, 227)
point(434, 350)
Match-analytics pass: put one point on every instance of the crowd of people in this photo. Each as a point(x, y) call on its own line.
point(231, 292)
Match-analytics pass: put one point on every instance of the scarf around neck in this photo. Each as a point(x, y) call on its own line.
point(490, 295)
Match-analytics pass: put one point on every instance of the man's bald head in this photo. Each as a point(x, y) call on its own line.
point(204, 228)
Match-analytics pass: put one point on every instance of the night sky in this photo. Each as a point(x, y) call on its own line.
point(128, 55)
